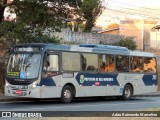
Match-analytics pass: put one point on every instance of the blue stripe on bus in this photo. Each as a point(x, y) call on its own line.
point(150, 79)
point(97, 79)
point(100, 79)
point(47, 82)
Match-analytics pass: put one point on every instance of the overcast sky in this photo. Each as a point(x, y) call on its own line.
point(138, 9)
point(132, 3)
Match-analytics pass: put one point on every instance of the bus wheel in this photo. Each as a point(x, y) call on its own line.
point(67, 94)
point(127, 92)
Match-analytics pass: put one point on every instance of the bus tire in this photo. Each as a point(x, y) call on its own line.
point(127, 92)
point(67, 94)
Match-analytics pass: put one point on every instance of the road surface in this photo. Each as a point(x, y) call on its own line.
point(137, 103)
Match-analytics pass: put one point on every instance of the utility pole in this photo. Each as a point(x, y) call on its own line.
point(143, 36)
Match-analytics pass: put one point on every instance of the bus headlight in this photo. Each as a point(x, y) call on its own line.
point(7, 84)
point(34, 84)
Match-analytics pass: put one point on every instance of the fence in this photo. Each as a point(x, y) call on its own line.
point(87, 38)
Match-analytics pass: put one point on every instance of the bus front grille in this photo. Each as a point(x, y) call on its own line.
point(26, 82)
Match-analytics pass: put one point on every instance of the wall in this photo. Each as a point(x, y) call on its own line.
point(155, 41)
point(138, 28)
point(113, 32)
point(87, 38)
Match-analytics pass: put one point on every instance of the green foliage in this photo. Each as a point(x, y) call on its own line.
point(91, 9)
point(33, 20)
point(127, 42)
point(37, 19)
point(4, 44)
point(33, 39)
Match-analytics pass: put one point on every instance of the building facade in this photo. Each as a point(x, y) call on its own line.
point(139, 29)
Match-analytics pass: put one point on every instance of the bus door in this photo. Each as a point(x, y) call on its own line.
point(50, 68)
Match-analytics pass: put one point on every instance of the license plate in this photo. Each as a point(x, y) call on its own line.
point(18, 92)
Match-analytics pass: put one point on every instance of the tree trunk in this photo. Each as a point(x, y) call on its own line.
point(89, 25)
point(2, 7)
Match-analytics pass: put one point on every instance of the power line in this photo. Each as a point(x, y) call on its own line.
point(124, 12)
point(134, 10)
point(132, 5)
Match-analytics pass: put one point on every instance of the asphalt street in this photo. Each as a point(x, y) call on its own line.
point(136, 103)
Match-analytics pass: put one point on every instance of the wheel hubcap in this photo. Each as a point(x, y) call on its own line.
point(67, 94)
point(127, 93)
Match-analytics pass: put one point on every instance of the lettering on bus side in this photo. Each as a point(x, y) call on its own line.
point(98, 79)
point(150, 79)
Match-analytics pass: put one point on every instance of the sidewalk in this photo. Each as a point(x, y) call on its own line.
point(8, 98)
point(154, 94)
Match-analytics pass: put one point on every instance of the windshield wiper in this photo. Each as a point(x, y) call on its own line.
point(28, 58)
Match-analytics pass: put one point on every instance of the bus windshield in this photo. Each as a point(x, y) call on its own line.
point(25, 66)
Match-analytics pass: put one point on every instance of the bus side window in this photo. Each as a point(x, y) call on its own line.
point(89, 62)
point(71, 61)
point(122, 63)
point(150, 65)
point(106, 63)
point(51, 65)
point(54, 63)
point(91, 68)
point(136, 64)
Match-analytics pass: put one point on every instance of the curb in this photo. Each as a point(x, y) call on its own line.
point(10, 98)
point(18, 100)
point(13, 99)
point(146, 95)
point(154, 94)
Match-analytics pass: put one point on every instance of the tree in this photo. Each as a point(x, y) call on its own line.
point(2, 7)
point(90, 10)
point(127, 42)
point(35, 20)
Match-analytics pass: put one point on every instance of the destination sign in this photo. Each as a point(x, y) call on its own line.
point(27, 49)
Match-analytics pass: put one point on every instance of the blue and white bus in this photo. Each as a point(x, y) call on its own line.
point(68, 71)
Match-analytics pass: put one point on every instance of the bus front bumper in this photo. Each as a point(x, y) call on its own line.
point(22, 91)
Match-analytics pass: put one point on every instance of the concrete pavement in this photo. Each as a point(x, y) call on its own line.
point(4, 98)
point(154, 94)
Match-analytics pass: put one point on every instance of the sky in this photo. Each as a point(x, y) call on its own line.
point(137, 3)
point(123, 8)
point(139, 9)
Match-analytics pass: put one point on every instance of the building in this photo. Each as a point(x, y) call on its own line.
point(113, 31)
point(155, 39)
point(139, 29)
